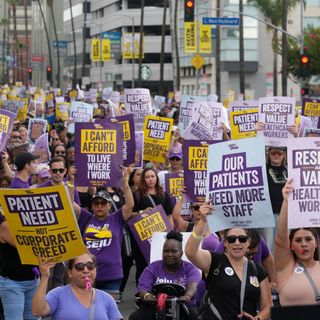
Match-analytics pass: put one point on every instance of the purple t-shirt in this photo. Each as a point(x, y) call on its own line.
point(211, 242)
point(262, 253)
point(64, 305)
point(49, 184)
point(17, 183)
point(103, 238)
point(156, 273)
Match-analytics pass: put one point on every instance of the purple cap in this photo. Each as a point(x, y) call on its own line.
point(175, 153)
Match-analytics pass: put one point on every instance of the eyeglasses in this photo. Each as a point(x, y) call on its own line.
point(233, 239)
point(195, 207)
point(80, 265)
point(55, 139)
point(61, 170)
point(100, 203)
point(174, 159)
point(60, 152)
point(276, 153)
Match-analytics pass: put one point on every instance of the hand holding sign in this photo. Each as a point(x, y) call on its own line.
point(287, 189)
point(44, 267)
point(205, 210)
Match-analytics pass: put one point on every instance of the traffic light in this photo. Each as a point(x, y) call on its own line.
point(49, 74)
point(29, 74)
point(304, 91)
point(304, 66)
point(189, 10)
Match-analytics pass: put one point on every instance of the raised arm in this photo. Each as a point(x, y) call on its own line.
point(282, 254)
point(128, 196)
point(40, 306)
point(199, 257)
point(179, 222)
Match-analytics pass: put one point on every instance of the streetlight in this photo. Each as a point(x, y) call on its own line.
point(100, 38)
point(132, 45)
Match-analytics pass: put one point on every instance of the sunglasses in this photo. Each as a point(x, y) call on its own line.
point(195, 207)
point(60, 152)
point(80, 265)
point(58, 170)
point(101, 203)
point(55, 139)
point(277, 153)
point(233, 239)
point(175, 159)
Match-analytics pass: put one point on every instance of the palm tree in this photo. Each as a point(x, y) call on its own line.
point(218, 55)
point(241, 52)
point(74, 80)
point(141, 42)
point(272, 12)
point(50, 5)
point(26, 18)
point(176, 43)
point(284, 71)
point(162, 53)
point(47, 35)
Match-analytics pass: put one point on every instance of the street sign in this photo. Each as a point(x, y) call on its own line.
point(221, 21)
point(197, 61)
point(145, 72)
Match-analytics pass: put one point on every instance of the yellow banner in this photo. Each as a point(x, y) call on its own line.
point(157, 134)
point(190, 37)
point(23, 111)
point(243, 123)
point(42, 223)
point(205, 39)
point(106, 49)
point(98, 141)
point(312, 108)
point(127, 47)
point(95, 50)
point(62, 111)
point(198, 158)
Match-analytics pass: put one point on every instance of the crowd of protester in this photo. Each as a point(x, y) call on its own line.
point(238, 268)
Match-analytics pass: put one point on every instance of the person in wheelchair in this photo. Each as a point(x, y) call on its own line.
point(172, 272)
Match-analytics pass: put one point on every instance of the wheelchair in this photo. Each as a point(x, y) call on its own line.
point(168, 304)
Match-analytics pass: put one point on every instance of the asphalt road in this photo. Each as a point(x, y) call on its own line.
point(127, 306)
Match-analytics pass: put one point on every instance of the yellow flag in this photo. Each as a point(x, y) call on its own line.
point(106, 48)
point(95, 50)
point(205, 39)
point(190, 37)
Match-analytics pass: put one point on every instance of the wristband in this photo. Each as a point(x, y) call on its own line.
point(70, 185)
point(146, 295)
point(196, 236)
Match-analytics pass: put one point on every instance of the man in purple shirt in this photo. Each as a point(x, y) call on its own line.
point(26, 166)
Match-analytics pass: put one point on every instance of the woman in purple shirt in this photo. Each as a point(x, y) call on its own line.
point(171, 269)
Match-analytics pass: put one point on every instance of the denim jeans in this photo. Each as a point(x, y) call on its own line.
point(16, 297)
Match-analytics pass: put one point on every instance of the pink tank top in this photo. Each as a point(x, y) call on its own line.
point(298, 290)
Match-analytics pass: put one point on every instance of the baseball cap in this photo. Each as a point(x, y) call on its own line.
point(42, 170)
point(277, 148)
point(103, 195)
point(22, 158)
point(175, 153)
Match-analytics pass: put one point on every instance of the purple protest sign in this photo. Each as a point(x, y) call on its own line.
point(41, 148)
point(6, 125)
point(36, 128)
point(206, 121)
point(144, 225)
point(129, 142)
point(138, 102)
point(195, 156)
point(303, 169)
point(277, 114)
point(237, 185)
point(98, 154)
point(139, 138)
point(173, 183)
